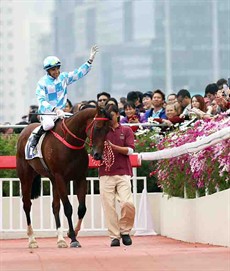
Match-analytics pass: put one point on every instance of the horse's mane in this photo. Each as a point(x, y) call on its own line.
point(84, 106)
point(90, 106)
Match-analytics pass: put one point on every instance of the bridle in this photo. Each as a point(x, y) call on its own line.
point(66, 130)
point(108, 160)
point(91, 126)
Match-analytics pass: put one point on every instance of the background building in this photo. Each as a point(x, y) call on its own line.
point(22, 48)
point(144, 45)
point(12, 54)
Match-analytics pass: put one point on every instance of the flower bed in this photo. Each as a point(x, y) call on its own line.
point(202, 172)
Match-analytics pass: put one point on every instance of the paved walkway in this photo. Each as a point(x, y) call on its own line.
point(148, 253)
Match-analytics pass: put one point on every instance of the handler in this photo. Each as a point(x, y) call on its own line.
point(115, 182)
point(51, 90)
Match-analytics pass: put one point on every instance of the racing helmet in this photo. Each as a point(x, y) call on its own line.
point(51, 62)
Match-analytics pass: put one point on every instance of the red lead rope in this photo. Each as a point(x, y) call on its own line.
point(108, 157)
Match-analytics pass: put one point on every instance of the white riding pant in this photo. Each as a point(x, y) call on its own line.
point(48, 122)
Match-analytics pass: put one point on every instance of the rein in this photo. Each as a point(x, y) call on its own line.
point(66, 143)
point(66, 129)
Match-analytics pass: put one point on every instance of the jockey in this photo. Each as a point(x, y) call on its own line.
point(51, 91)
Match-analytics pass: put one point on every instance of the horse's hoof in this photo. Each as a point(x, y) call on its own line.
point(33, 244)
point(75, 244)
point(62, 244)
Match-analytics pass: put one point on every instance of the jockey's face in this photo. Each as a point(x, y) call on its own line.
point(54, 72)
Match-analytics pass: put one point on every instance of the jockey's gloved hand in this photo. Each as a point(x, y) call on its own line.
point(60, 113)
point(93, 52)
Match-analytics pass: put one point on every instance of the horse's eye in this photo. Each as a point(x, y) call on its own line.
point(98, 127)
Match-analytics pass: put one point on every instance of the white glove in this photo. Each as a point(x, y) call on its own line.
point(60, 113)
point(93, 52)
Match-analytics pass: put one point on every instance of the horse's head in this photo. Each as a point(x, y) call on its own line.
point(97, 132)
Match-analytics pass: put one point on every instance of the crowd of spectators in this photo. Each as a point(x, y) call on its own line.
point(138, 107)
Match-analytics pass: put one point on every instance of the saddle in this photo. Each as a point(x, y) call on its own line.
point(30, 152)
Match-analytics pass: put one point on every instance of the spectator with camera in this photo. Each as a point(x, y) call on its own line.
point(184, 99)
point(199, 108)
point(223, 94)
point(172, 111)
point(214, 108)
point(135, 97)
point(132, 116)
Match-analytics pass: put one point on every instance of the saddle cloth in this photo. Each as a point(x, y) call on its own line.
point(31, 153)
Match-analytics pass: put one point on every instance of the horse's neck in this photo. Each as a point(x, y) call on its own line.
point(79, 122)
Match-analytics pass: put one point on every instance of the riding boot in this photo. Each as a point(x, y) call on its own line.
point(36, 137)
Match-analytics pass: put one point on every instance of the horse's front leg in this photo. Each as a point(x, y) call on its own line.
point(61, 243)
point(80, 190)
point(81, 213)
point(32, 241)
point(68, 210)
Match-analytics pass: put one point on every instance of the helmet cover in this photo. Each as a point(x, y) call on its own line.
point(51, 62)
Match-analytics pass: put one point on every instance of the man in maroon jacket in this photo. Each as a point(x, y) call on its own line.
point(115, 181)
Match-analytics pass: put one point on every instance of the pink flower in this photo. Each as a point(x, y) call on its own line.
point(201, 169)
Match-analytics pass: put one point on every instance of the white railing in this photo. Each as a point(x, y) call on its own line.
point(13, 220)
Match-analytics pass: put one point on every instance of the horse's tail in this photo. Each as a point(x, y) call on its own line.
point(36, 187)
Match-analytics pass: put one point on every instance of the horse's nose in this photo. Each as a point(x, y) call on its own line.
point(97, 156)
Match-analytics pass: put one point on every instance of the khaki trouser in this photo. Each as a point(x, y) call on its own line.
point(112, 188)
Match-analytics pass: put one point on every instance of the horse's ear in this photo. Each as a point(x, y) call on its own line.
point(107, 114)
point(108, 109)
point(99, 110)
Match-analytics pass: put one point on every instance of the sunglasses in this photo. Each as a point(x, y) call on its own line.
point(102, 100)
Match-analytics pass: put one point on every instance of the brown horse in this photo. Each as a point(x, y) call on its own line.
point(64, 158)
